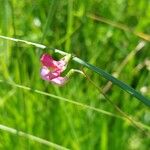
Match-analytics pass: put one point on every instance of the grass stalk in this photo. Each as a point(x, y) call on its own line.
point(83, 106)
point(31, 137)
point(93, 68)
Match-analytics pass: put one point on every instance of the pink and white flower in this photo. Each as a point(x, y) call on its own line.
point(51, 69)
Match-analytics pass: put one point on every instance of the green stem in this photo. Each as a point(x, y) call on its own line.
point(72, 71)
point(114, 80)
point(99, 71)
point(109, 77)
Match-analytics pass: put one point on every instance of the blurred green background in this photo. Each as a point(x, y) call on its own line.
point(69, 25)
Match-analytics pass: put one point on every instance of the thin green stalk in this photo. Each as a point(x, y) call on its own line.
point(51, 12)
point(31, 137)
point(84, 106)
point(61, 98)
point(114, 80)
point(114, 105)
point(23, 41)
point(97, 70)
point(69, 24)
point(119, 26)
point(122, 64)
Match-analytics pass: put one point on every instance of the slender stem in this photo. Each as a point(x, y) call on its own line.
point(114, 105)
point(119, 26)
point(72, 71)
point(97, 70)
point(31, 137)
point(23, 41)
point(114, 80)
point(74, 102)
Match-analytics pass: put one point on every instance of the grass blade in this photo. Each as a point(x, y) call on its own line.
point(84, 106)
point(120, 26)
point(114, 80)
point(23, 41)
point(61, 98)
point(122, 64)
point(31, 137)
point(99, 71)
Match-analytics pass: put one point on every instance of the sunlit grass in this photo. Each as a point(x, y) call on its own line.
point(75, 116)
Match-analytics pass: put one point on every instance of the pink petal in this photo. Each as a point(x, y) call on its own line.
point(52, 69)
point(61, 65)
point(46, 74)
point(48, 61)
point(60, 80)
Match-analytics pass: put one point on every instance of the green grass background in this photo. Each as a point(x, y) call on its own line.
point(64, 24)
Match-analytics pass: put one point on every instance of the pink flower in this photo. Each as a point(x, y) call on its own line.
point(52, 69)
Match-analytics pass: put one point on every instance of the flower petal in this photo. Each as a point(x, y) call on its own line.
point(48, 61)
point(46, 74)
point(52, 69)
point(62, 65)
point(59, 80)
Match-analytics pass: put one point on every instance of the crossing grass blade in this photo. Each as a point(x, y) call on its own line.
point(120, 26)
point(84, 106)
point(114, 80)
point(31, 137)
point(93, 68)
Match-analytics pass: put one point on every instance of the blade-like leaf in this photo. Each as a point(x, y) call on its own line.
point(114, 80)
point(31, 137)
point(99, 71)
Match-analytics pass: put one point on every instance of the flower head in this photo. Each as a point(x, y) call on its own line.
point(51, 69)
